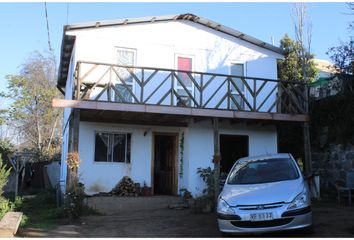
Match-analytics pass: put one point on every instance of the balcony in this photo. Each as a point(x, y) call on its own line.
point(114, 92)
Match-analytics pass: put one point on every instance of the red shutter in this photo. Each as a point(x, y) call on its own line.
point(184, 64)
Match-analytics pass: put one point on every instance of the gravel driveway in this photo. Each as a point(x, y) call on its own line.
point(330, 220)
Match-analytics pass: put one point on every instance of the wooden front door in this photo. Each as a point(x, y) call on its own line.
point(164, 177)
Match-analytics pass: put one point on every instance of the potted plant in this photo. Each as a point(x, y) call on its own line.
point(206, 202)
point(146, 191)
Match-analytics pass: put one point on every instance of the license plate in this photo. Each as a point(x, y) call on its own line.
point(261, 216)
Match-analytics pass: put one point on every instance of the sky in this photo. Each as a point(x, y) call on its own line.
point(23, 25)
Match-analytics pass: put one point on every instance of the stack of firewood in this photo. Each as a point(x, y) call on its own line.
point(126, 188)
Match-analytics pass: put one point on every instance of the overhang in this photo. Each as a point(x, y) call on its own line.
point(165, 115)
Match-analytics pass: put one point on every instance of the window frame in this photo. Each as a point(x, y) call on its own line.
point(178, 86)
point(125, 147)
point(234, 92)
point(117, 81)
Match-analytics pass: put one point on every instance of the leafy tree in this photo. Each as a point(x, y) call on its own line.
point(2, 116)
point(343, 56)
point(30, 112)
point(290, 68)
point(6, 148)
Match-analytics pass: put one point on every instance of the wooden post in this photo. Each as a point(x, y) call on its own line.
point(73, 141)
point(307, 142)
point(76, 113)
point(279, 93)
point(217, 157)
point(76, 126)
point(307, 148)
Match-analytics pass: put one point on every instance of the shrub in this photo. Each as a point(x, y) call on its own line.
point(5, 205)
point(207, 174)
point(74, 198)
point(206, 203)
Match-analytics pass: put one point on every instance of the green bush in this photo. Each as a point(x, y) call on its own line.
point(5, 205)
point(207, 174)
point(74, 200)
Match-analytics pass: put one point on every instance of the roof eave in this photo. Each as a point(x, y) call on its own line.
point(65, 56)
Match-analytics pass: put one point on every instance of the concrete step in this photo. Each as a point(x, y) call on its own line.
point(111, 205)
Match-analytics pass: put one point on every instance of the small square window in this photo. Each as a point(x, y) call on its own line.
point(112, 147)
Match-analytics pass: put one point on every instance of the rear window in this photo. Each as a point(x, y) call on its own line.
point(263, 171)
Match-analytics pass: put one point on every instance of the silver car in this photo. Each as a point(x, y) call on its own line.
point(264, 194)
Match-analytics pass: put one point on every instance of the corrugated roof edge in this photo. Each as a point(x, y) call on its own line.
point(188, 16)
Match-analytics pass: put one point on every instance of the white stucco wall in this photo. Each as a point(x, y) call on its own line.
point(64, 154)
point(103, 176)
point(198, 152)
point(158, 45)
point(262, 140)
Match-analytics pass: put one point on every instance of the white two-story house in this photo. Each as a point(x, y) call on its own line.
point(156, 98)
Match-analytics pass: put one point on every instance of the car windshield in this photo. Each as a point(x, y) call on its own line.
point(263, 171)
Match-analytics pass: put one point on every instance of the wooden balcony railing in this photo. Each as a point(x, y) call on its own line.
point(168, 87)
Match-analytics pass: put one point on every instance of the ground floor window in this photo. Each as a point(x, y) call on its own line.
point(112, 147)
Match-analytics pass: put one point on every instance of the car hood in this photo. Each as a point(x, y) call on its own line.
point(264, 193)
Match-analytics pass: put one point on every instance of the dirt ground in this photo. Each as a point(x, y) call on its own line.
point(330, 220)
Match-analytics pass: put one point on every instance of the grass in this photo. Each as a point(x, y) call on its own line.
point(40, 209)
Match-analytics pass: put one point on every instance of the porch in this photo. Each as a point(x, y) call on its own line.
point(165, 96)
point(145, 96)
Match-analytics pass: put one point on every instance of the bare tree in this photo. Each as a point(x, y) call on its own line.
point(303, 33)
point(31, 113)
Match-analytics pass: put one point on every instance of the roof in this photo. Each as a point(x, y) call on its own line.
point(68, 41)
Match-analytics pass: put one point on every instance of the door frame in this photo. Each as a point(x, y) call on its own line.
point(235, 134)
point(175, 157)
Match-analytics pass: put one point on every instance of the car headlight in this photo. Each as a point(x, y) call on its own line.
point(300, 201)
point(224, 208)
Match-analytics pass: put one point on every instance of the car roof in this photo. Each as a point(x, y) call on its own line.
point(265, 156)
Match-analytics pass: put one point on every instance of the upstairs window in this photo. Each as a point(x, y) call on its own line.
point(237, 70)
point(125, 57)
point(184, 64)
point(112, 147)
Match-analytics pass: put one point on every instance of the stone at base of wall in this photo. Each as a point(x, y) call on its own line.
point(333, 163)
